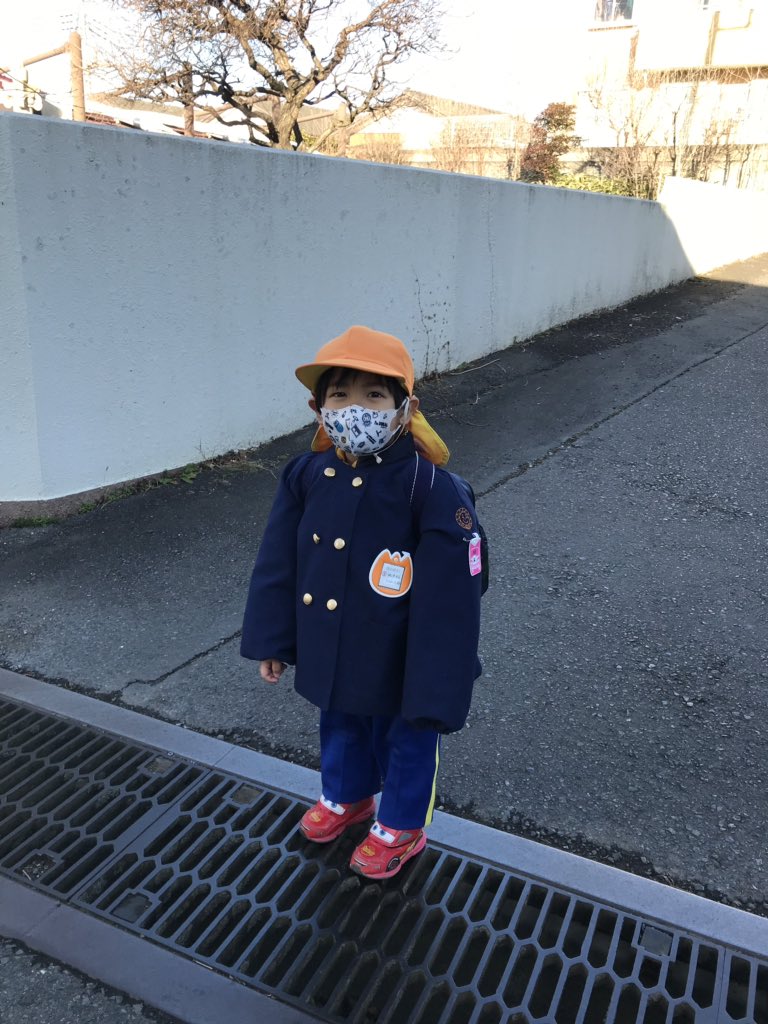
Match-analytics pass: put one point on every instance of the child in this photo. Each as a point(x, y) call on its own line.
point(374, 600)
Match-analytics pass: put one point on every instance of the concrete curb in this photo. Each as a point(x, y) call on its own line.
point(161, 979)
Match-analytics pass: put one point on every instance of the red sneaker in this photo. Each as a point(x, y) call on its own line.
point(326, 820)
point(384, 851)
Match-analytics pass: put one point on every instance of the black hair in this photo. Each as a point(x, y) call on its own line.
point(397, 390)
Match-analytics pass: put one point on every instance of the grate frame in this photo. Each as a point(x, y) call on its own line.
point(216, 872)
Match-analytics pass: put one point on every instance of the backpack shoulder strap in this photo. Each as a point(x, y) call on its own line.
point(465, 488)
point(423, 478)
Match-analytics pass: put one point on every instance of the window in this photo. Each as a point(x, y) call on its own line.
point(613, 10)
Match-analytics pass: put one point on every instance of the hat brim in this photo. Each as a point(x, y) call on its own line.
point(310, 373)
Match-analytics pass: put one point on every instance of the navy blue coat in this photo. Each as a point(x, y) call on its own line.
point(312, 602)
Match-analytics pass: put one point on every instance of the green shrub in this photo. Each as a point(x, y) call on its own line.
point(592, 183)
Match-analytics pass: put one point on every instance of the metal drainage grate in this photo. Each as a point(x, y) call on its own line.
point(219, 874)
point(71, 796)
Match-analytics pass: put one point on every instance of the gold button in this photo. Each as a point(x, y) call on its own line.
point(357, 482)
point(330, 471)
point(339, 543)
point(332, 605)
point(307, 599)
point(315, 538)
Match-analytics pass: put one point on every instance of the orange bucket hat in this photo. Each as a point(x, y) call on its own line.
point(361, 348)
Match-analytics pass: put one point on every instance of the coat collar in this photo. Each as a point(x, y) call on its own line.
point(403, 448)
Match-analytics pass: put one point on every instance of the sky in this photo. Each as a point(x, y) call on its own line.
point(512, 55)
point(517, 55)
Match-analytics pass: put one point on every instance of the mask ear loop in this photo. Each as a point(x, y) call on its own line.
point(404, 407)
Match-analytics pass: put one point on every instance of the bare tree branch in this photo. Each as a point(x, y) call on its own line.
point(267, 59)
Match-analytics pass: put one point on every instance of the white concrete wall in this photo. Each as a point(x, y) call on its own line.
point(158, 292)
point(716, 224)
point(19, 454)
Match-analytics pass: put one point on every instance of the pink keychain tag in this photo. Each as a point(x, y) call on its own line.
point(475, 558)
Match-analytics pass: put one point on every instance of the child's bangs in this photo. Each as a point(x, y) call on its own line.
point(340, 376)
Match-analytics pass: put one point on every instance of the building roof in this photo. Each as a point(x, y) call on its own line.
point(97, 117)
point(147, 106)
point(442, 106)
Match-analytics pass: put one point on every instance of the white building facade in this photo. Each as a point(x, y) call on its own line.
point(688, 77)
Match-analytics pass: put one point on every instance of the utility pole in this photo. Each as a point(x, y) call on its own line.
point(74, 48)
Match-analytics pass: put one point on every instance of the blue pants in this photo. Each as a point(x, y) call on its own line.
point(361, 755)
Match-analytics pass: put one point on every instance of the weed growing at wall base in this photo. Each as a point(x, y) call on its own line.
point(26, 521)
point(185, 475)
point(232, 462)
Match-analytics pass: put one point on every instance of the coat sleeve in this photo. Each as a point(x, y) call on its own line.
point(269, 624)
point(444, 616)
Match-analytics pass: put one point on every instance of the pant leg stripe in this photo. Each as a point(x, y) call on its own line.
point(431, 807)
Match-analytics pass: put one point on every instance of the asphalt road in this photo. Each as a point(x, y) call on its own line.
point(620, 463)
point(34, 990)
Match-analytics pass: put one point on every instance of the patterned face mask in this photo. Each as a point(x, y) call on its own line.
point(360, 431)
